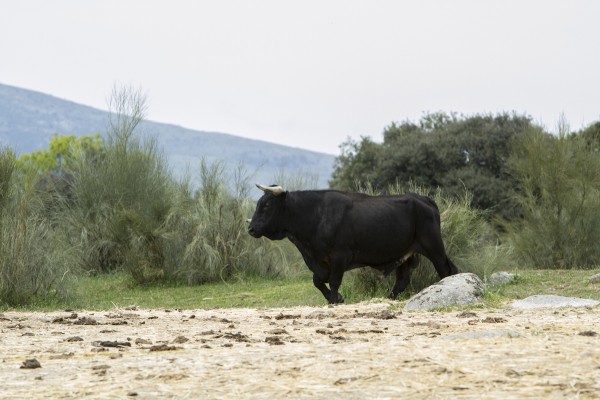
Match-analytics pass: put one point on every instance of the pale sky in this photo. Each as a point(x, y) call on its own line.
point(307, 73)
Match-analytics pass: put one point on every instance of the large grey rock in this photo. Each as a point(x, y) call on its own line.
point(501, 278)
point(595, 278)
point(553, 301)
point(456, 290)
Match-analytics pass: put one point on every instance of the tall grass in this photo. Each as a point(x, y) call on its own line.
point(470, 242)
point(217, 245)
point(33, 265)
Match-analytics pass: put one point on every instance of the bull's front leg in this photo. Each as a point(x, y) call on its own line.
point(335, 281)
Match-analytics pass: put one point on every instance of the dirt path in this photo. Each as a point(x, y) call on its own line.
point(352, 352)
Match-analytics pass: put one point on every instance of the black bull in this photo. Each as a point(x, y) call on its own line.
point(337, 231)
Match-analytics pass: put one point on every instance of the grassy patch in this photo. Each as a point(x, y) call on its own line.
point(118, 290)
point(570, 283)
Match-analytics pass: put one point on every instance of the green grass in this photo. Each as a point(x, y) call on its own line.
point(570, 283)
point(118, 290)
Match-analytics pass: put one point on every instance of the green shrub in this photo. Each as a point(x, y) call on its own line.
point(559, 179)
point(217, 245)
point(33, 263)
point(130, 214)
point(122, 199)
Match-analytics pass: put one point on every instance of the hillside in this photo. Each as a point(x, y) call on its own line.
point(29, 119)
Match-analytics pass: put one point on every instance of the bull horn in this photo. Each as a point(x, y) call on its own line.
point(274, 190)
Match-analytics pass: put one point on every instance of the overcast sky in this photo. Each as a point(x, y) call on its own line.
point(310, 74)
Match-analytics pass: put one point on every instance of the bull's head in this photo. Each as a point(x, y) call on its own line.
point(268, 219)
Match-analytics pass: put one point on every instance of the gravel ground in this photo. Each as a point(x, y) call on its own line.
point(358, 351)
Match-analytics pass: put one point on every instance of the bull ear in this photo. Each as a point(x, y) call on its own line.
point(274, 190)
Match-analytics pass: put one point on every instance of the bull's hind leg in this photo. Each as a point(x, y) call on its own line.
point(433, 249)
point(403, 276)
point(320, 284)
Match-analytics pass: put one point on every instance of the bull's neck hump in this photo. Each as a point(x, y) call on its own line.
point(303, 211)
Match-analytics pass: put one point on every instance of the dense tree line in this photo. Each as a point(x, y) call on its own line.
point(441, 150)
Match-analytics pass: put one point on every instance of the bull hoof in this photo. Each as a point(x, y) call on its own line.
point(339, 300)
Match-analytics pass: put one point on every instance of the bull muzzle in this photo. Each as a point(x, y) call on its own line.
point(252, 232)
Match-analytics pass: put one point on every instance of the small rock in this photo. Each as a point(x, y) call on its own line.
point(110, 343)
point(31, 363)
point(274, 340)
point(387, 314)
point(163, 347)
point(286, 316)
point(553, 301)
point(594, 278)
point(277, 331)
point(99, 349)
point(74, 339)
point(180, 339)
point(483, 335)
point(85, 321)
point(588, 333)
point(466, 314)
point(493, 320)
point(501, 278)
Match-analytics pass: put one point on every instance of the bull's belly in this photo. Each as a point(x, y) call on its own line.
point(380, 258)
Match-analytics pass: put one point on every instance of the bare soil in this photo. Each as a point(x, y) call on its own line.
point(358, 351)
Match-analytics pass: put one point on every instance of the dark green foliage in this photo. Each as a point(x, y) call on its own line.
point(440, 151)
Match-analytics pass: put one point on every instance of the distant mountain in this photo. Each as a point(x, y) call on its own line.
point(29, 119)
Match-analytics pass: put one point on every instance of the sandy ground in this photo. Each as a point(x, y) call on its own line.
point(360, 351)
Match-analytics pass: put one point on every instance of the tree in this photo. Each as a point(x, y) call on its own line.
point(61, 152)
point(559, 194)
point(441, 150)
